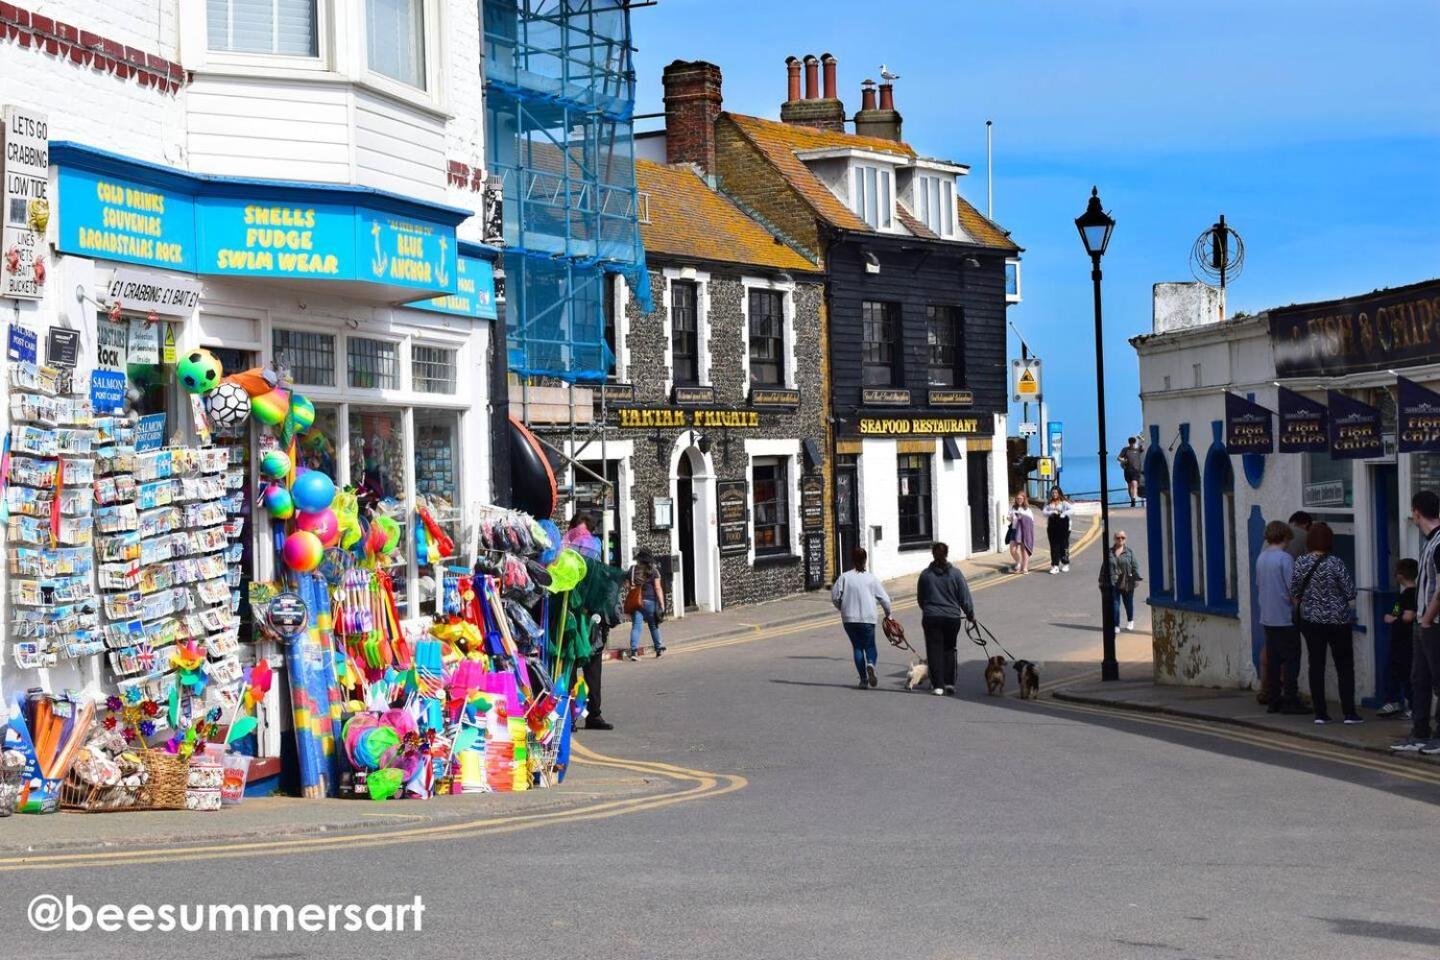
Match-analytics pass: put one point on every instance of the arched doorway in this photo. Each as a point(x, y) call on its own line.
point(697, 583)
point(685, 523)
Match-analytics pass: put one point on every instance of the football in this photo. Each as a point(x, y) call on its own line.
point(228, 405)
point(199, 372)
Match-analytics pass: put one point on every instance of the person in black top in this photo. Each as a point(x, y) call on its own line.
point(1401, 619)
point(1132, 460)
point(945, 605)
point(1324, 590)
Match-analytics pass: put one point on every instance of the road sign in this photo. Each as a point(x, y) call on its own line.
point(1028, 429)
point(1057, 442)
point(1025, 380)
point(1045, 468)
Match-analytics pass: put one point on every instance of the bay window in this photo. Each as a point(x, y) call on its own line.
point(395, 40)
point(275, 27)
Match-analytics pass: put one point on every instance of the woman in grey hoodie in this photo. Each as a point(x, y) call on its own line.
point(945, 603)
point(855, 594)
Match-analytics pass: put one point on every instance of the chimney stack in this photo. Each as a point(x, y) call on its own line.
point(822, 113)
point(692, 105)
point(883, 121)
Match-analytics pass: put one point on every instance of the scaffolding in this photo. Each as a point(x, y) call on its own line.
point(560, 101)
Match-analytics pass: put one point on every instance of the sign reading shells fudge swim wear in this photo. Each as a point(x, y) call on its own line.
point(474, 294)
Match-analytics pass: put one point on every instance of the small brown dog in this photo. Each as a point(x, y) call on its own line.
point(995, 676)
point(1029, 678)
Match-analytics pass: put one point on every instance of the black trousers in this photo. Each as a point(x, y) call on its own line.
point(591, 669)
point(940, 636)
point(1059, 533)
point(1282, 676)
point(1424, 680)
point(1337, 637)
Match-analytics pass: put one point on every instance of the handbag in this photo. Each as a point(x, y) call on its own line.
point(634, 599)
point(1300, 595)
point(1010, 534)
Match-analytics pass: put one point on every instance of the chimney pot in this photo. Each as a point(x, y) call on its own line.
point(828, 62)
point(792, 70)
point(867, 95)
point(812, 77)
point(887, 96)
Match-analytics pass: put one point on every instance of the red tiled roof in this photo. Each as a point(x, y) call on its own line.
point(689, 219)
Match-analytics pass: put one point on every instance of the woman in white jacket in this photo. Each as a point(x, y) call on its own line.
point(856, 594)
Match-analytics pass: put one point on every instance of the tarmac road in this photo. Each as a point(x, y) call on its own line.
point(796, 817)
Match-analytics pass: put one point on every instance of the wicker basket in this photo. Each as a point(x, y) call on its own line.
point(164, 790)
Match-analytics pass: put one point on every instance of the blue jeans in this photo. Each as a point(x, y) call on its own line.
point(862, 642)
point(649, 615)
point(1127, 598)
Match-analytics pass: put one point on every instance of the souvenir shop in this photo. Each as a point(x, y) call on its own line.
point(246, 469)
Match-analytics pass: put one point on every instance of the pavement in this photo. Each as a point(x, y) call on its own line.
point(795, 816)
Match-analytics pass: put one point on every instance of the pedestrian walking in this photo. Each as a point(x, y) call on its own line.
point(1021, 535)
point(1280, 656)
point(1124, 575)
point(1323, 590)
point(644, 577)
point(945, 605)
point(1401, 619)
point(1425, 673)
point(1299, 529)
point(1057, 529)
point(1132, 461)
point(859, 596)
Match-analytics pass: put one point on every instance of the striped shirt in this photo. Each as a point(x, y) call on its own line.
point(1428, 578)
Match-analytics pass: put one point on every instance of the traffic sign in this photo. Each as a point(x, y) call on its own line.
point(1028, 429)
point(1025, 380)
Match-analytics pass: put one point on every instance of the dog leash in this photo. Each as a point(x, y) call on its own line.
point(978, 632)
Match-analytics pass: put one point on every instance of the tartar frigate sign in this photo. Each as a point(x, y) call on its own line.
point(1377, 331)
point(1417, 418)
point(1354, 429)
point(1249, 427)
point(1304, 424)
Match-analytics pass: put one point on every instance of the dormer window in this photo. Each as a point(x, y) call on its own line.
point(872, 195)
point(935, 204)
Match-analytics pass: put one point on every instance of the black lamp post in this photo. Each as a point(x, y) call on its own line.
point(1095, 226)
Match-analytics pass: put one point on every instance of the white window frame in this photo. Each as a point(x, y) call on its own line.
point(620, 304)
point(701, 279)
point(787, 289)
point(195, 35)
point(885, 214)
point(943, 188)
point(337, 357)
point(1017, 295)
point(432, 96)
point(789, 451)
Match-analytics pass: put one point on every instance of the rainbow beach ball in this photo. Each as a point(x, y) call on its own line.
point(275, 464)
point(271, 408)
point(278, 502)
point(302, 551)
point(323, 523)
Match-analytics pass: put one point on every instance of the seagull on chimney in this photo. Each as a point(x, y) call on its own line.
point(885, 73)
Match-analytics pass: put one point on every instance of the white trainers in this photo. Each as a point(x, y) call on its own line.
point(1064, 568)
point(1389, 710)
point(938, 692)
point(1054, 571)
point(1130, 626)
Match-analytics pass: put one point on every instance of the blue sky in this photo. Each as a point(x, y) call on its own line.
point(1313, 125)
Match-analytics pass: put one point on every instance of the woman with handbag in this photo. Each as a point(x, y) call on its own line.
point(1124, 575)
point(1022, 533)
point(1324, 590)
point(644, 602)
point(856, 594)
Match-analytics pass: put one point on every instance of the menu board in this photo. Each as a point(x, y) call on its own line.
point(814, 561)
point(812, 503)
point(733, 499)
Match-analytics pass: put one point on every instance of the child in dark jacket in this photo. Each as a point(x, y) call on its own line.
point(1401, 619)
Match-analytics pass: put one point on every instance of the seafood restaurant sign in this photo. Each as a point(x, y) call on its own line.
point(215, 226)
point(1377, 331)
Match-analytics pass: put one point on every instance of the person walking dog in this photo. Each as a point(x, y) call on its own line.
point(945, 605)
point(859, 596)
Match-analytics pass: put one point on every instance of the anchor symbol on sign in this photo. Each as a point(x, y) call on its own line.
point(378, 264)
point(441, 274)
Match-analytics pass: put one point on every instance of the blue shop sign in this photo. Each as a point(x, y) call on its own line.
point(114, 218)
point(254, 228)
point(474, 295)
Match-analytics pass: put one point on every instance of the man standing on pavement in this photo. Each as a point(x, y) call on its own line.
point(945, 603)
point(1280, 658)
point(1132, 460)
point(1425, 674)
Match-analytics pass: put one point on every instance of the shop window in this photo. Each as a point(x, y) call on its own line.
point(1220, 548)
point(377, 471)
point(316, 446)
point(1159, 524)
point(395, 40)
point(310, 356)
point(1329, 484)
point(437, 455)
point(1189, 538)
point(432, 369)
point(946, 339)
point(373, 364)
point(770, 487)
point(880, 329)
point(685, 331)
point(276, 27)
point(913, 480)
point(767, 337)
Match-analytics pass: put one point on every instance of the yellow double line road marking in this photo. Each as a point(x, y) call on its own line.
point(1275, 742)
point(703, 786)
point(830, 620)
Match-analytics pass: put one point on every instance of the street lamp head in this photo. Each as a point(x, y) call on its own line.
point(1095, 226)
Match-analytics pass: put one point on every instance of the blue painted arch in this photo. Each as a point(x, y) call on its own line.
point(1157, 519)
point(1219, 492)
point(1185, 484)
